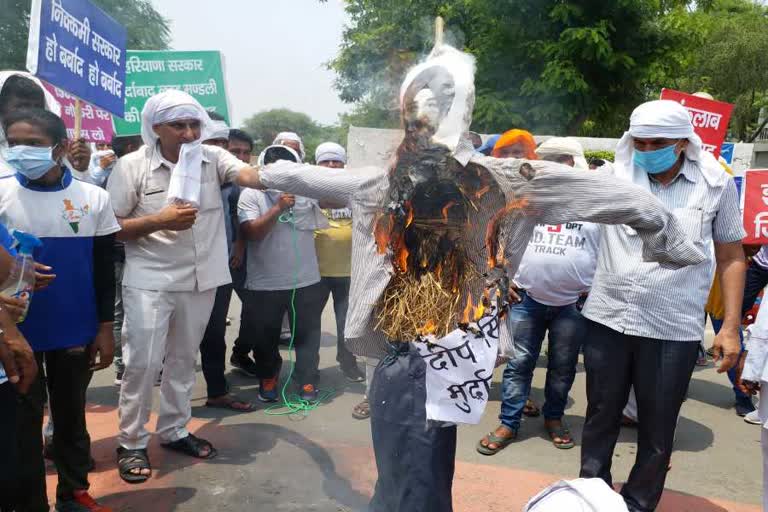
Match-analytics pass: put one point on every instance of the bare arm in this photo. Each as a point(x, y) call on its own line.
point(731, 270)
point(257, 229)
point(249, 178)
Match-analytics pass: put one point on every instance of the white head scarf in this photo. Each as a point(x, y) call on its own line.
point(558, 146)
point(290, 136)
point(330, 152)
point(665, 119)
point(580, 495)
point(166, 107)
point(51, 104)
point(219, 130)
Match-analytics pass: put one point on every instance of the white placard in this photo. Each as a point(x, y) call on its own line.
point(459, 372)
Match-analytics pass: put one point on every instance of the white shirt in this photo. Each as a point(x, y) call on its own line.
point(195, 259)
point(648, 299)
point(559, 263)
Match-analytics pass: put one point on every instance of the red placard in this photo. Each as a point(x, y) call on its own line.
point(709, 117)
point(756, 206)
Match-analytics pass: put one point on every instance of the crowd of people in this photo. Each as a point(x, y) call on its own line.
point(144, 242)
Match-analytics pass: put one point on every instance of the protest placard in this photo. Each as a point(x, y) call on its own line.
point(710, 118)
point(199, 73)
point(77, 47)
point(756, 206)
point(459, 369)
point(96, 124)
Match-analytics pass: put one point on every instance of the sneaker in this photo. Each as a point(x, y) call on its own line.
point(309, 392)
point(701, 360)
point(753, 418)
point(244, 364)
point(744, 406)
point(119, 378)
point(159, 379)
point(268, 390)
point(81, 502)
point(352, 373)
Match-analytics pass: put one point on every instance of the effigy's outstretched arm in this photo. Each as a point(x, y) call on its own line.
point(321, 183)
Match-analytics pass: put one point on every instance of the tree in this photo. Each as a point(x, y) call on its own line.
point(546, 65)
point(147, 29)
point(265, 126)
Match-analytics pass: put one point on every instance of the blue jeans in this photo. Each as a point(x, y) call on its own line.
point(716, 326)
point(529, 321)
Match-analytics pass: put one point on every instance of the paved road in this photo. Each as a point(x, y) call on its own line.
point(323, 462)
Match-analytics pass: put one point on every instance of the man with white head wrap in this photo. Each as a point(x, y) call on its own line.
point(554, 276)
point(563, 150)
point(292, 140)
point(646, 319)
point(167, 197)
point(219, 135)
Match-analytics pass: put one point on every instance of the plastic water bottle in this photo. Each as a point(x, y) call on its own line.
point(21, 281)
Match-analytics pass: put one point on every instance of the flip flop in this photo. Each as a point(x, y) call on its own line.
point(500, 442)
point(192, 446)
point(128, 460)
point(562, 432)
point(362, 411)
point(530, 409)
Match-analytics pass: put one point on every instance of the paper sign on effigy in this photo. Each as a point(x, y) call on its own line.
point(459, 371)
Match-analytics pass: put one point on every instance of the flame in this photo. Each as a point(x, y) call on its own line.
point(382, 230)
point(401, 256)
point(492, 231)
point(409, 217)
point(479, 311)
point(467, 314)
point(447, 207)
point(428, 328)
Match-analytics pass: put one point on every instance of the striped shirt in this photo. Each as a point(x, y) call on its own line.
point(554, 195)
point(647, 299)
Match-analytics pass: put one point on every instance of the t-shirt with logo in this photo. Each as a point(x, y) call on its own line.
point(559, 262)
point(66, 218)
point(334, 244)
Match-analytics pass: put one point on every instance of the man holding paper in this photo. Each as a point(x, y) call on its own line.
point(167, 197)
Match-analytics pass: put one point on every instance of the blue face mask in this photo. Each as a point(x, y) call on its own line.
point(656, 162)
point(30, 161)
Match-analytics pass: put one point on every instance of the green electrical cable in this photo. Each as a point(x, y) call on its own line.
point(293, 403)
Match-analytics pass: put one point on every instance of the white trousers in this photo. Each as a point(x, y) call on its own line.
point(161, 330)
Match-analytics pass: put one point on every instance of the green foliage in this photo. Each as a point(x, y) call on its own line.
point(545, 65)
point(603, 155)
point(147, 29)
point(265, 126)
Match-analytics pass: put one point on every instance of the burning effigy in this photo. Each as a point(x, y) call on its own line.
point(433, 194)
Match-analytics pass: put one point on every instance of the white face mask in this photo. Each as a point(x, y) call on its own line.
point(30, 161)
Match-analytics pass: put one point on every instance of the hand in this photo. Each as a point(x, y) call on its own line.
point(106, 161)
point(177, 217)
point(103, 346)
point(747, 387)
point(286, 201)
point(79, 155)
point(726, 348)
point(14, 306)
point(514, 296)
point(18, 359)
point(238, 254)
point(43, 277)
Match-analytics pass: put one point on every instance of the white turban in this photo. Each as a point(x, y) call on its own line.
point(51, 104)
point(662, 119)
point(580, 495)
point(564, 146)
point(289, 136)
point(330, 152)
point(220, 130)
point(167, 107)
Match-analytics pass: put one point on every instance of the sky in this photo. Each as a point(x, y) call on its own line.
point(274, 50)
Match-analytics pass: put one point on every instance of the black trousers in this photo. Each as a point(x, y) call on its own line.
point(339, 288)
point(415, 461)
point(213, 348)
point(10, 481)
point(68, 375)
point(660, 372)
point(263, 319)
point(756, 280)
